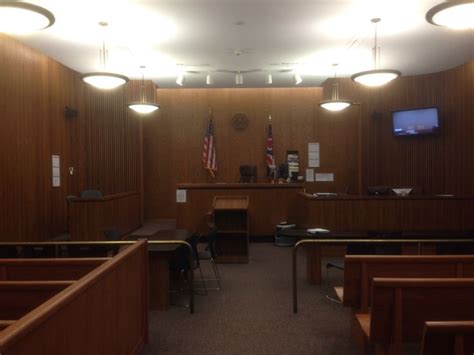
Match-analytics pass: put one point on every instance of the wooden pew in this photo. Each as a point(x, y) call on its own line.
point(105, 312)
point(47, 269)
point(359, 271)
point(400, 307)
point(448, 338)
point(20, 297)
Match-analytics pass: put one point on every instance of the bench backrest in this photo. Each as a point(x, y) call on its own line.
point(359, 272)
point(453, 337)
point(20, 297)
point(47, 269)
point(400, 307)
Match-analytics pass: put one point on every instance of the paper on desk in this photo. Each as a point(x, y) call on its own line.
point(317, 230)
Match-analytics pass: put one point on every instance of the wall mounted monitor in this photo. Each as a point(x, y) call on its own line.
point(415, 121)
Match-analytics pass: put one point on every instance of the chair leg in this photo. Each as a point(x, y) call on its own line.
point(202, 281)
point(216, 273)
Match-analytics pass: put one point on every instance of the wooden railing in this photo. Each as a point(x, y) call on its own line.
point(346, 241)
point(105, 312)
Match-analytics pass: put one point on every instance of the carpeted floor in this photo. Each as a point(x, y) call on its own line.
point(252, 314)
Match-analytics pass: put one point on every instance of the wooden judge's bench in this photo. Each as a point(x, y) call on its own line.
point(270, 204)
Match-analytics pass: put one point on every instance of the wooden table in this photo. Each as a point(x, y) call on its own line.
point(158, 259)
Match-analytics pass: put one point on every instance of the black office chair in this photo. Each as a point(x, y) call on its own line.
point(456, 248)
point(8, 252)
point(210, 254)
point(248, 173)
point(38, 251)
point(179, 265)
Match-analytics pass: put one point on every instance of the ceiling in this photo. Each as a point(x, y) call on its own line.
point(280, 37)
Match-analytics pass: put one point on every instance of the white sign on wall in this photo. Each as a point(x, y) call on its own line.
point(56, 170)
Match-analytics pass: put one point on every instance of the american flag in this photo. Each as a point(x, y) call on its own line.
point(209, 149)
point(269, 151)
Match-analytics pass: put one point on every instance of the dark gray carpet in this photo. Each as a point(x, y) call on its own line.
point(252, 314)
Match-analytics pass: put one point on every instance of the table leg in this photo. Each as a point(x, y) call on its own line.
point(313, 264)
point(159, 282)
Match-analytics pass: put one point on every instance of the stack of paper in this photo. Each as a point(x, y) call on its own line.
point(317, 230)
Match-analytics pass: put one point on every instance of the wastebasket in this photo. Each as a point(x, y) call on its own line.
point(283, 241)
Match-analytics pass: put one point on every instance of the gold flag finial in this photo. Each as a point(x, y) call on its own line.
point(270, 118)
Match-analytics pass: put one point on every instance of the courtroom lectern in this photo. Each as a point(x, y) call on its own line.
point(230, 214)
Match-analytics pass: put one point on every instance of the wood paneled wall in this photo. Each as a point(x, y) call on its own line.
point(173, 142)
point(435, 164)
point(103, 143)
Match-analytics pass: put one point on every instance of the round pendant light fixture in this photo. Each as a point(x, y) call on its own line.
point(376, 77)
point(458, 15)
point(142, 106)
point(335, 104)
point(104, 80)
point(23, 17)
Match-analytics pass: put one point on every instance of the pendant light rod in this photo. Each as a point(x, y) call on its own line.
point(104, 80)
point(376, 76)
point(376, 49)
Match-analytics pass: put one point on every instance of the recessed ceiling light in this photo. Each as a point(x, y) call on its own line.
point(22, 17)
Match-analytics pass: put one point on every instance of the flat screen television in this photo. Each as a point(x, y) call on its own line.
point(415, 122)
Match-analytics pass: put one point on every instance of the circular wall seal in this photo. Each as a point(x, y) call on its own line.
point(240, 121)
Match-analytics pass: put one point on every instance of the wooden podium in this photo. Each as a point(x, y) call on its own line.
point(230, 214)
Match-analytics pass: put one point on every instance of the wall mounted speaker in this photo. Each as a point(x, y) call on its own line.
point(70, 113)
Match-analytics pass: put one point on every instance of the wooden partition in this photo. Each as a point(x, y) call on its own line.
point(89, 217)
point(17, 298)
point(269, 204)
point(386, 213)
point(360, 270)
point(451, 337)
point(105, 313)
point(47, 269)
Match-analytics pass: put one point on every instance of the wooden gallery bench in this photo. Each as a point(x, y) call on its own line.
point(75, 306)
point(400, 308)
point(359, 271)
point(448, 338)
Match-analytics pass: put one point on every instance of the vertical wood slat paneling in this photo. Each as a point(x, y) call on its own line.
point(435, 164)
point(173, 141)
point(102, 143)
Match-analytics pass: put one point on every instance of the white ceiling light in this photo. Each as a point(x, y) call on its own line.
point(180, 79)
point(22, 17)
point(268, 79)
point(104, 80)
point(209, 79)
point(376, 77)
point(142, 106)
point(457, 15)
point(239, 79)
point(335, 104)
point(298, 79)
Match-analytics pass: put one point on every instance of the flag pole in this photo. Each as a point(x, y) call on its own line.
point(209, 110)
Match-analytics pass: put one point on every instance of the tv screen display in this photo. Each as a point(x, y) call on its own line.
point(415, 122)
